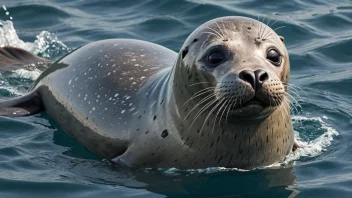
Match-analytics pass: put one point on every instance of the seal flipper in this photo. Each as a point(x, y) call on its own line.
point(22, 106)
point(12, 58)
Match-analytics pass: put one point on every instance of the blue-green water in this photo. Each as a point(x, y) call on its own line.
point(37, 159)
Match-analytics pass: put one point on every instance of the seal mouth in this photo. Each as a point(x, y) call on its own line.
point(254, 101)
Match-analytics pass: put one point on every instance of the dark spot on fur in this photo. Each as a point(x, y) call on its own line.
point(137, 130)
point(165, 133)
point(146, 132)
point(249, 28)
point(154, 117)
point(162, 102)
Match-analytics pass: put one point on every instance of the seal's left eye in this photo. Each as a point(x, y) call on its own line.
point(216, 57)
point(274, 57)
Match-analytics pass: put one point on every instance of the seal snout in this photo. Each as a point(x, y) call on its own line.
point(254, 78)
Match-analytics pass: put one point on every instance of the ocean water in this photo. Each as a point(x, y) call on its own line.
point(38, 159)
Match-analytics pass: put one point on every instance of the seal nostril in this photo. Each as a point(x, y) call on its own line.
point(264, 77)
point(248, 76)
point(261, 76)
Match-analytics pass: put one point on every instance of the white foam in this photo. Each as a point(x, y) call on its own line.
point(46, 44)
point(9, 37)
point(23, 73)
point(311, 148)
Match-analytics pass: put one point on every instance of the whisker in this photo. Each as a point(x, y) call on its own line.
point(216, 32)
point(212, 33)
point(295, 93)
point(227, 105)
point(209, 114)
point(273, 23)
point(291, 104)
point(230, 108)
point(266, 36)
point(264, 28)
point(202, 110)
point(288, 94)
point(296, 103)
point(199, 103)
point(294, 86)
point(223, 35)
point(285, 101)
point(203, 83)
point(279, 27)
point(209, 89)
point(216, 115)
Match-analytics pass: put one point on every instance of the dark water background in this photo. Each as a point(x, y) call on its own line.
point(37, 159)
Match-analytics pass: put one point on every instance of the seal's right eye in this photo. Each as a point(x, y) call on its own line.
point(215, 58)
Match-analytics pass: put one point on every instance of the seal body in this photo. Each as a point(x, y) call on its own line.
point(96, 92)
point(221, 101)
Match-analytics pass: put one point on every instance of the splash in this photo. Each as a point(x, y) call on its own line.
point(7, 12)
point(46, 45)
point(23, 73)
point(316, 142)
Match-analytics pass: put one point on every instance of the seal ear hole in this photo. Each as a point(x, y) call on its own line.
point(282, 38)
point(195, 40)
point(184, 52)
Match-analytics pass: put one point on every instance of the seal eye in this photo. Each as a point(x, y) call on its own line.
point(274, 57)
point(214, 58)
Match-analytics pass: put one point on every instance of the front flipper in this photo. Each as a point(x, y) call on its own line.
point(12, 58)
point(22, 106)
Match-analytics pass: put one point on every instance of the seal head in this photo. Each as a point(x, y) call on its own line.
point(244, 61)
point(229, 86)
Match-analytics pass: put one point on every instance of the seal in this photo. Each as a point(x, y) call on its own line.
point(221, 101)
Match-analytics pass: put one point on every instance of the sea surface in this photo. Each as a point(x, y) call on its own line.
point(38, 159)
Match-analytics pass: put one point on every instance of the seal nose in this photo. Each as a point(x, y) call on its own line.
point(256, 78)
point(248, 76)
point(260, 76)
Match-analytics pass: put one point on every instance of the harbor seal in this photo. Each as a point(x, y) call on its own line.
point(221, 101)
